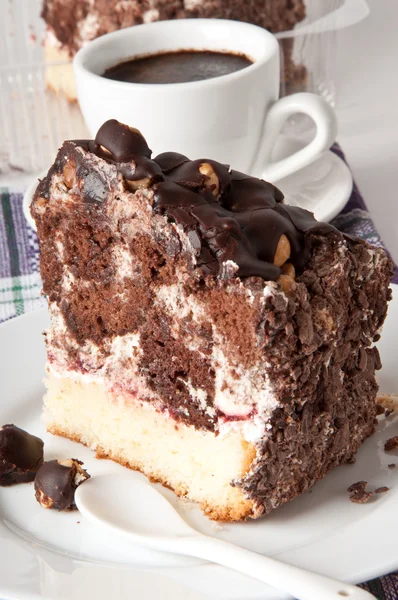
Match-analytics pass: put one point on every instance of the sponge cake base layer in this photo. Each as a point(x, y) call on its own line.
point(195, 464)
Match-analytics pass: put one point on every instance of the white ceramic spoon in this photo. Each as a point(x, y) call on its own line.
point(138, 511)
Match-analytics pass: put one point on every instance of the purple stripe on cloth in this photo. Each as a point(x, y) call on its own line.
point(383, 588)
point(355, 218)
point(5, 263)
point(356, 200)
point(21, 234)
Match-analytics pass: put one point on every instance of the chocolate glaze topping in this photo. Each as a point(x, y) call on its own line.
point(125, 142)
point(228, 216)
point(56, 483)
point(21, 454)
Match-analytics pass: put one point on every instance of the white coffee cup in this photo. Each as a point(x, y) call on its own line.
point(234, 118)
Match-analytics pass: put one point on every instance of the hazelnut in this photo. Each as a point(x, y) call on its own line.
point(138, 184)
point(68, 462)
point(38, 206)
point(288, 269)
point(69, 175)
point(43, 500)
point(211, 179)
point(282, 253)
point(286, 282)
point(40, 202)
point(105, 151)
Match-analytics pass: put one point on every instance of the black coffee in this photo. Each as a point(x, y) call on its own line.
point(178, 67)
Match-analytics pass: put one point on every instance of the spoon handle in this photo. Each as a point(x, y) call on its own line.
point(301, 584)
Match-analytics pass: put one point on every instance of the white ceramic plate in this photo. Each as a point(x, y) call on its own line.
point(45, 554)
point(323, 187)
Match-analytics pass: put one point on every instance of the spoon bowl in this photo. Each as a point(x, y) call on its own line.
point(130, 507)
point(135, 509)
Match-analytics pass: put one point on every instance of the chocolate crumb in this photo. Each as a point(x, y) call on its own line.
point(358, 494)
point(382, 490)
point(360, 498)
point(359, 486)
point(379, 410)
point(391, 444)
point(391, 466)
point(351, 461)
point(388, 412)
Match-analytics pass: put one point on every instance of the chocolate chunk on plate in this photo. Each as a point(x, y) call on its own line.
point(21, 455)
point(56, 483)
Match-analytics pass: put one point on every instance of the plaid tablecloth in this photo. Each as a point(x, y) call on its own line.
point(20, 284)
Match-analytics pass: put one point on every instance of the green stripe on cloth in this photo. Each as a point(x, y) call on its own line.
point(32, 299)
point(13, 250)
point(20, 288)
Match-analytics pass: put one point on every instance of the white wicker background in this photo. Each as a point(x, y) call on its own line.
point(33, 121)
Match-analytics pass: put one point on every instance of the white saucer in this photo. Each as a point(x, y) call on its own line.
point(60, 555)
point(323, 187)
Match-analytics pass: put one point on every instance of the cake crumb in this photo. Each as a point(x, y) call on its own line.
point(391, 466)
point(388, 412)
point(379, 410)
point(351, 461)
point(185, 504)
point(358, 493)
point(391, 444)
point(382, 490)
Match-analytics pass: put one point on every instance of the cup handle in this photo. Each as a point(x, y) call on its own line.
point(326, 130)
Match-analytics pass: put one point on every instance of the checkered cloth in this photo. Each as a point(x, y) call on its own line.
point(20, 283)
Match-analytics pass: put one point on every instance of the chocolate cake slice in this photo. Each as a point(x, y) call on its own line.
point(71, 24)
point(202, 331)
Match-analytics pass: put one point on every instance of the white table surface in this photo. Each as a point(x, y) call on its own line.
point(367, 108)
